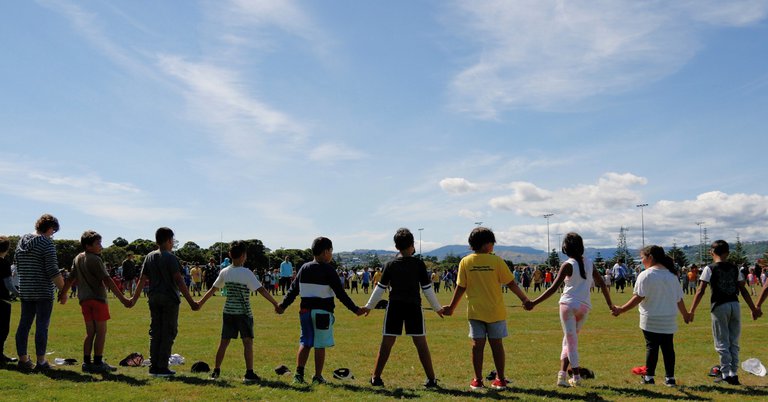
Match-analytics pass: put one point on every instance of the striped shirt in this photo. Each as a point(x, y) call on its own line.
point(318, 284)
point(37, 265)
point(239, 281)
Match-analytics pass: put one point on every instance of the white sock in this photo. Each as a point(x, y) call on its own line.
point(648, 378)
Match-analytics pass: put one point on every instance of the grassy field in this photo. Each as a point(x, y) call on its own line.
point(610, 346)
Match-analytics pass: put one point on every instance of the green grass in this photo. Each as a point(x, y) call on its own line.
point(610, 346)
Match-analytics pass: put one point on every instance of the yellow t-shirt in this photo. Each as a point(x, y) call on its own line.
point(482, 275)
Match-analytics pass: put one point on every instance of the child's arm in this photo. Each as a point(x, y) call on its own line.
point(65, 290)
point(756, 313)
point(108, 282)
point(634, 301)
point(457, 293)
point(378, 293)
point(604, 288)
point(262, 291)
point(429, 292)
point(683, 311)
point(179, 279)
point(207, 295)
point(139, 286)
point(565, 270)
point(761, 299)
point(512, 285)
point(697, 298)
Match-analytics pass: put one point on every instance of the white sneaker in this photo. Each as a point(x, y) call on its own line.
point(562, 380)
point(575, 381)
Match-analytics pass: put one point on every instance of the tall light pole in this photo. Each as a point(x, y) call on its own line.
point(547, 216)
point(701, 242)
point(642, 221)
point(420, 229)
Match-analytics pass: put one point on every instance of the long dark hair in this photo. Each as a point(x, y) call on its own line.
point(573, 246)
point(659, 257)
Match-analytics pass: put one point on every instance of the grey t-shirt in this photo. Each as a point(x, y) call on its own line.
point(159, 267)
point(89, 271)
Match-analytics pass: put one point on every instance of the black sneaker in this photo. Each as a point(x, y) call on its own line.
point(161, 372)
point(670, 382)
point(648, 382)
point(26, 365)
point(6, 359)
point(377, 382)
point(431, 383)
point(215, 374)
point(250, 377)
point(86, 367)
point(733, 380)
point(45, 366)
point(318, 379)
point(102, 367)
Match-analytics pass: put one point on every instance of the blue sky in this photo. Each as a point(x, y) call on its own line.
point(285, 120)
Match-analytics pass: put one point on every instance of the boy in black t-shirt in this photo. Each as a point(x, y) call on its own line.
point(405, 275)
point(727, 282)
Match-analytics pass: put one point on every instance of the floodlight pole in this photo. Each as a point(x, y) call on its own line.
point(642, 221)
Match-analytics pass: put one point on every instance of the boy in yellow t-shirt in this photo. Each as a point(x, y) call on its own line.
point(481, 275)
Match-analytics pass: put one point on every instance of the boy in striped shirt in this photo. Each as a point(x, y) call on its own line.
point(237, 317)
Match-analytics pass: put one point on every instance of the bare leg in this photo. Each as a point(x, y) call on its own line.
point(424, 355)
point(248, 353)
point(497, 348)
point(220, 353)
point(319, 361)
point(478, 345)
point(381, 359)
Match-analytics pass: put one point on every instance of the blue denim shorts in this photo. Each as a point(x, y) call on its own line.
point(491, 330)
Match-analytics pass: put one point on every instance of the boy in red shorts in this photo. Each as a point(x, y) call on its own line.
point(91, 275)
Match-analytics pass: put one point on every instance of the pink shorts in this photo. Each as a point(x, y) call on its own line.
point(94, 310)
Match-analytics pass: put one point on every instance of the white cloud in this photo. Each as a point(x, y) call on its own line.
point(217, 97)
point(457, 185)
point(90, 194)
point(331, 153)
point(547, 54)
point(469, 214)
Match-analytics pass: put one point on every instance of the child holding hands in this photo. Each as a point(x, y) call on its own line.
point(574, 303)
point(659, 295)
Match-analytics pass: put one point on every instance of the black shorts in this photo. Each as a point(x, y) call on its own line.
point(401, 314)
point(234, 324)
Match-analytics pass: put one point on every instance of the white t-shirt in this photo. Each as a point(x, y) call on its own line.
point(662, 291)
point(576, 288)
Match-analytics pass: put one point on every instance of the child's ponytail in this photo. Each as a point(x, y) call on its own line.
point(573, 246)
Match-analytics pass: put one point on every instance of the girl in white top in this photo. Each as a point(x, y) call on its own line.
point(578, 275)
point(660, 297)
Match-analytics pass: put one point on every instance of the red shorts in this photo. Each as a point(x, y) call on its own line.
point(94, 310)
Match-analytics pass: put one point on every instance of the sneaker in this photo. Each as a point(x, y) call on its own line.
point(161, 372)
point(476, 384)
point(562, 380)
point(250, 377)
point(431, 383)
point(318, 379)
point(733, 380)
point(102, 367)
point(499, 384)
point(648, 382)
point(7, 359)
point(86, 367)
point(298, 379)
point(670, 382)
point(26, 365)
point(215, 374)
point(575, 381)
point(44, 366)
point(377, 382)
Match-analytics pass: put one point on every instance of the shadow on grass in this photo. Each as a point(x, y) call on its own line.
point(199, 381)
point(398, 393)
point(283, 386)
point(685, 394)
point(732, 390)
point(548, 393)
point(73, 376)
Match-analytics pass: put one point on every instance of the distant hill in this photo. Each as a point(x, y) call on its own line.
point(519, 254)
